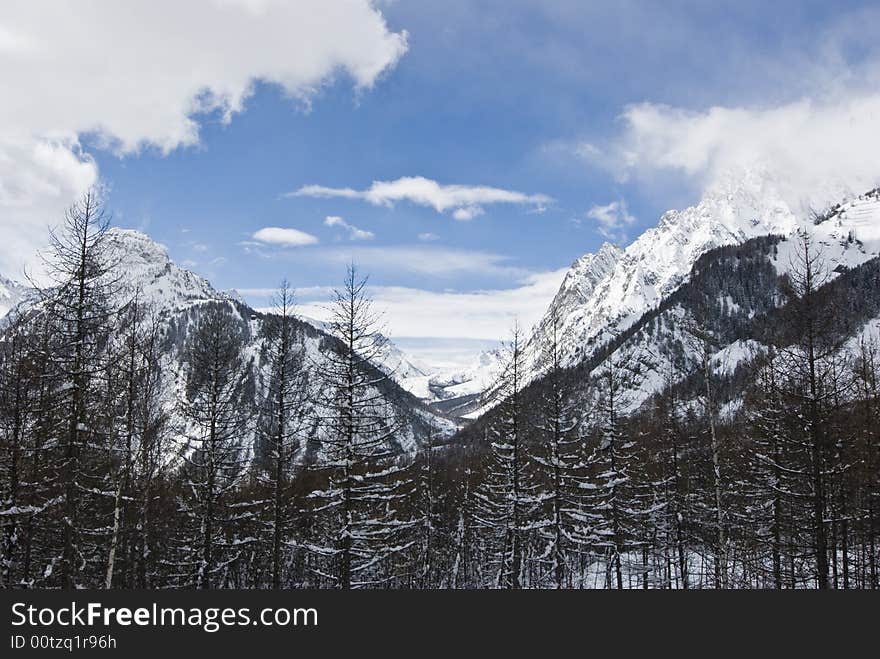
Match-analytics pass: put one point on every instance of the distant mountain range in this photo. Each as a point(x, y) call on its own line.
point(618, 302)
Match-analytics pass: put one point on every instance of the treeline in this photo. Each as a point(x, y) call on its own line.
point(283, 469)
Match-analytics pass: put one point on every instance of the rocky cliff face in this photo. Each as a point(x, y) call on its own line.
point(605, 294)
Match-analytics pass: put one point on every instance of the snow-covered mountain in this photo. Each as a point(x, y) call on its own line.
point(735, 293)
point(603, 295)
point(173, 293)
point(444, 387)
point(177, 298)
point(11, 294)
point(144, 266)
point(454, 390)
point(404, 369)
point(845, 237)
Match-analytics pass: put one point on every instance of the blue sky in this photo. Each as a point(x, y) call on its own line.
point(531, 98)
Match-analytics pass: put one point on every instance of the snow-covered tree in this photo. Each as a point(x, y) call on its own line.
point(79, 301)
point(428, 497)
point(564, 523)
point(777, 469)
point(671, 483)
point(150, 419)
point(806, 360)
point(703, 343)
point(20, 374)
point(614, 494)
point(218, 418)
point(867, 385)
point(362, 527)
point(506, 499)
point(283, 422)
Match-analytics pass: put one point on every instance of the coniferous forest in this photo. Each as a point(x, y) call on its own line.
point(286, 467)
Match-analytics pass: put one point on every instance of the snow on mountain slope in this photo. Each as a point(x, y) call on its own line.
point(404, 369)
point(869, 335)
point(177, 298)
point(725, 361)
point(144, 266)
point(604, 294)
point(11, 294)
point(846, 236)
point(580, 282)
point(474, 379)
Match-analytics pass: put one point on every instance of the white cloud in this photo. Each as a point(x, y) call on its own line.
point(138, 74)
point(421, 260)
point(353, 232)
point(467, 213)
point(428, 237)
point(38, 180)
point(612, 219)
point(395, 260)
point(812, 148)
point(466, 201)
point(484, 314)
point(282, 237)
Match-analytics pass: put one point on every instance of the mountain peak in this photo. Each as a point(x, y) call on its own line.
point(11, 294)
point(604, 293)
point(145, 266)
point(135, 246)
point(581, 279)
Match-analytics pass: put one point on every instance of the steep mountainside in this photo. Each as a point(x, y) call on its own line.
point(737, 294)
point(11, 294)
point(177, 298)
point(607, 294)
point(401, 367)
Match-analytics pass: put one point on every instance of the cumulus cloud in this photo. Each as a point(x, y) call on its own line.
point(428, 237)
point(353, 232)
point(465, 201)
point(612, 219)
point(467, 213)
point(38, 180)
point(282, 237)
point(139, 74)
point(812, 148)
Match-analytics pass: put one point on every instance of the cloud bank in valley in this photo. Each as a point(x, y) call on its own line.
point(483, 314)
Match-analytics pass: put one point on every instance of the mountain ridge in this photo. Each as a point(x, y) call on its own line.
point(606, 292)
point(177, 298)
